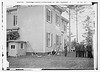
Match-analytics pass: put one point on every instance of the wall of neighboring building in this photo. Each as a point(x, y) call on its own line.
point(30, 21)
point(53, 28)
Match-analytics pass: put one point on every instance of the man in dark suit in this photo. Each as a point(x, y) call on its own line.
point(77, 50)
point(65, 48)
point(82, 50)
point(89, 49)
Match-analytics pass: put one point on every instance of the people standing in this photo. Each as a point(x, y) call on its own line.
point(85, 51)
point(89, 49)
point(65, 48)
point(77, 50)
point(82, 50)
point(58, 49)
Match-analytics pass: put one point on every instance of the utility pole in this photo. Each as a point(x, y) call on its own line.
point(76, 26)
point(69, 33)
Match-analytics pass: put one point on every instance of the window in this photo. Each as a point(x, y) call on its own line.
point(49, 15)
point(22, 46)
point(57, 20)
point(94, 24)
point(58, 40)
point(49, 38)
point(65, 25)
point(12, 46)
point(65, 41)
point(15, 20)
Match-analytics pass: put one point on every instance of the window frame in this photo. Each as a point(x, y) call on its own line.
point(64, 24)
point(58, 39)
point(22, 46)
point(57, 20)
point(50, 15)
point(49, 39)
point(12, 46)
point(65, 27)
point(14, 20)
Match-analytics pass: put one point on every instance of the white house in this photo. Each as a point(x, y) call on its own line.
point(40, 26)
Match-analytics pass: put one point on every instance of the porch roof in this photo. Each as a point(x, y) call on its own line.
point(16, 41)
point(12, 30)
point(15, 28)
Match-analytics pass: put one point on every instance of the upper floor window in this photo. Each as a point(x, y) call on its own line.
point(15, 20)
point(65, 42)
point(57, 20)
point(65, 25)
point(49, 15)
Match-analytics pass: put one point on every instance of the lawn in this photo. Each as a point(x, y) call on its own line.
point(51, 62)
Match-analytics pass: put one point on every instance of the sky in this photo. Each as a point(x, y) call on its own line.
point(81, 17)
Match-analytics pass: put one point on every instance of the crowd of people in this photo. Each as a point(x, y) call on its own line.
point(83, 51)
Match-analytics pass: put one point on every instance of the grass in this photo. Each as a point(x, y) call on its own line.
point(54, 62)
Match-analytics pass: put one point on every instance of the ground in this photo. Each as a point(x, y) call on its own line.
point(51, 62)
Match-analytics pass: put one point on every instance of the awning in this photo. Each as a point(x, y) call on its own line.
point(12, 29)
point(16, 41)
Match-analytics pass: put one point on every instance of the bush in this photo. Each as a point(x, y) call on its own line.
point(13, 35)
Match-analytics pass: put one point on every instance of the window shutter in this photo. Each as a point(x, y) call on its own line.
point(59, 39)
point(47, 39)
point(21, 45)
point(51, 39)
point(56, 19)
point(51, 17)
point(47, 15)
point(14, 20)
point(56, 39)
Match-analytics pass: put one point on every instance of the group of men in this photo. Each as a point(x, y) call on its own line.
point(83, 51)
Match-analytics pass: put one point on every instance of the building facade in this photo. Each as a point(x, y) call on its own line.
point(40, 26)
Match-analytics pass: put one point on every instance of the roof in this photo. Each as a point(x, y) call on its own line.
point(58, 7)
point(10, 9)
point(14, 8)
point(64, 19)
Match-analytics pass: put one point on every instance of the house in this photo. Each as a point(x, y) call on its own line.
point(40, 26)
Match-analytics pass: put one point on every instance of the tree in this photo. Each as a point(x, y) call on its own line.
point(73, 44)
point(88, 34)
point(78, 9)
point(13, 35)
